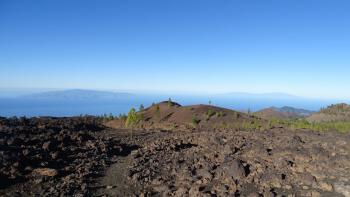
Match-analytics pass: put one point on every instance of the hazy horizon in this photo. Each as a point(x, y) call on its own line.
point(75, 102)
point(13, 92)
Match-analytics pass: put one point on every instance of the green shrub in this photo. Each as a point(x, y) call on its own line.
point(210, 113)
point(339, 126)
point(219, 114)
point(223, 125)
point(195, 120)
point(133, 118)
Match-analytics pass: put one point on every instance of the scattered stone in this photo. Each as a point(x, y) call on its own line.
point(314, 194)
point(342, 188)
point(46, 146)
point(325, 186)
point(45, 172)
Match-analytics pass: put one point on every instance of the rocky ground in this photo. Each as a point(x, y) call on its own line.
point(244, 163)
point(77, 157)
point(54, 156)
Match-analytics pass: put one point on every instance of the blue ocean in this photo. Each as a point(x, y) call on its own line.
point(70, 107)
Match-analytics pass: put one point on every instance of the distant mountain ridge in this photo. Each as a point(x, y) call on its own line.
point(78, 94)
point(270, 95)
point(285, 112)
point(288, 109)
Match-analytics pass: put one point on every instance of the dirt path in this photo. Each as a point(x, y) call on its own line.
point(115, 182)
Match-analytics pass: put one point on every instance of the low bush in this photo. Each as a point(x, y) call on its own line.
point(340, 126)
point(195, 120)
point(133, 118)
point(210, 113)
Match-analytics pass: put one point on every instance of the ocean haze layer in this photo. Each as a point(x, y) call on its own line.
point(76, 102)
point(79, 94)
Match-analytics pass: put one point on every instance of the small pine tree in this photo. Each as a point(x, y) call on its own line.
point(157, 112)
point(105, 116)
point(111, 117)
point(170, 102)
point(122, 117)
point(141, 108)
point(133, 118)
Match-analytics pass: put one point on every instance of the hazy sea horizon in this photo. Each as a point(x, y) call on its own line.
point(58, 107)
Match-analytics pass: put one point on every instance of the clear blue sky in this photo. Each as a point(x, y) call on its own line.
point(293, 46)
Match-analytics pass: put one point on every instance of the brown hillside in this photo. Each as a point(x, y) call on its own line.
point(337, 112)
point(172, 115)
point(271, 113)
point(282, 113)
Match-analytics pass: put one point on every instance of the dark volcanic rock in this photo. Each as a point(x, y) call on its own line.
point(278, 162)
point(52, 156)
point(69, 156)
